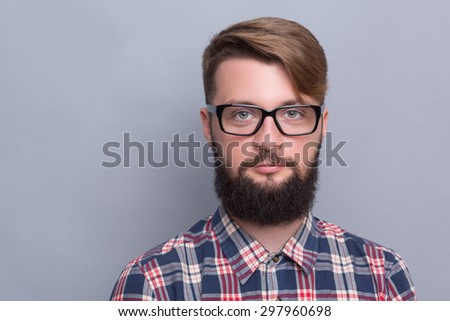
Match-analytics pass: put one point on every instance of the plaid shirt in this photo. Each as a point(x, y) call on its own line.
point(216, 260)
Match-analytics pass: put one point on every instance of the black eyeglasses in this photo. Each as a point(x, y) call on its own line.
point(246, 120)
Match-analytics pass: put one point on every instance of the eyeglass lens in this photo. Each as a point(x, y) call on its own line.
point(292, 120)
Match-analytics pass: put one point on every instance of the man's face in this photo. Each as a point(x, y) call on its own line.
point(267, 178)
point(252, 82)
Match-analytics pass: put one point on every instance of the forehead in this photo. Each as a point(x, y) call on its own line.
point(252, 81)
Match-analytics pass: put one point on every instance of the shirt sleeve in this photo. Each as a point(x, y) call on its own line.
point(132, 285)
point(399, 283)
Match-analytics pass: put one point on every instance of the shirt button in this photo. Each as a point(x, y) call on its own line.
point(275, 259)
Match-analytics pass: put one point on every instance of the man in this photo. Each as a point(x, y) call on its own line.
point(265, 82)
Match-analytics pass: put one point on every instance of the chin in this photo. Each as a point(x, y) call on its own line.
point(271, 179)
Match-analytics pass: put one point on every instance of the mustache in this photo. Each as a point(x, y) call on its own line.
point(268, 157)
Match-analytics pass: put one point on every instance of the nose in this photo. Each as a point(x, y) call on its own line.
point(268, 136)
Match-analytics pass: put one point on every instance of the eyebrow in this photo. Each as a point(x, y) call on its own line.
point(248, 102)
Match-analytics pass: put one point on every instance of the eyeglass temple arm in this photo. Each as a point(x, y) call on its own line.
point(211, 108)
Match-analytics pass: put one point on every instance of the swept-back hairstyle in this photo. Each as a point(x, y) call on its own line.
point(270, 40)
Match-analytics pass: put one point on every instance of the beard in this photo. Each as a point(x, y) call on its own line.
point(268, 203)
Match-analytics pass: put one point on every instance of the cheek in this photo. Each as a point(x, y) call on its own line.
point(229, 148)
point(303, 150)
point(235, 152)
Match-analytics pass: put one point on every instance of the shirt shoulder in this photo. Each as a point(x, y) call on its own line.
point(196, 236)
point(362, 256)
point(356, 245)
point(147, 272)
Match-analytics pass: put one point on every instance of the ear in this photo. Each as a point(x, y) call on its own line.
point(206, 123)
point(324, 122)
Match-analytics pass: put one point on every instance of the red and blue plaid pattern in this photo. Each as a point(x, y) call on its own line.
point(216, 260)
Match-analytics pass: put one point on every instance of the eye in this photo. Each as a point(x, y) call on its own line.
point(243, 114)
point(293, 114)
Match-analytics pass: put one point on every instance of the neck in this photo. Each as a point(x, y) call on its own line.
point(272, 238)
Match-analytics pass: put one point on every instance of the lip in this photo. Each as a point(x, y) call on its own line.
point(264, 168)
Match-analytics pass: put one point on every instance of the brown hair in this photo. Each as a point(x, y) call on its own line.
point(270, 40)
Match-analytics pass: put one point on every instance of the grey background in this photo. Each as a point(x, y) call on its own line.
point(77, 74)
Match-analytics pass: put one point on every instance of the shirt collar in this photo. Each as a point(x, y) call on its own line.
point(246, 254)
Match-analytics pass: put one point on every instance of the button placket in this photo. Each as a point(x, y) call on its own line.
point(271, 276)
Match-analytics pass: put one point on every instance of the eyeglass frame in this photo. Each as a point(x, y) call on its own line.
point(218, 110)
